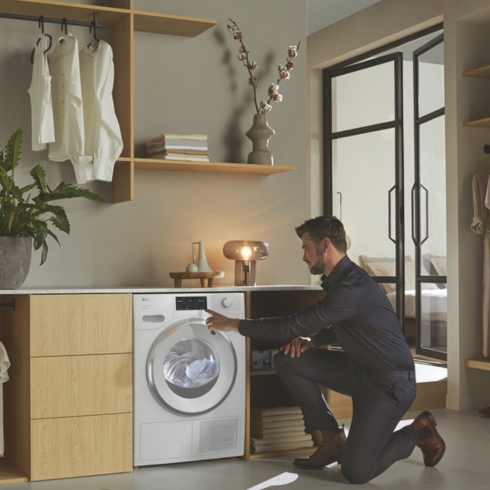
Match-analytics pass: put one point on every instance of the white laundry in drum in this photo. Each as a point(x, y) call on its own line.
point(191, 363)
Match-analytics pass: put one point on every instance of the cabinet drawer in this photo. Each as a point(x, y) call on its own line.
point(80, 446)
point(81, 385)
point(80, 324)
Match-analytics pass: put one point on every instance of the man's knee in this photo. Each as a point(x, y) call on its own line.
point(354, 474)
point(280, 361)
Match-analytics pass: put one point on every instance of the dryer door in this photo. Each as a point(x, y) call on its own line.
point(190, 371)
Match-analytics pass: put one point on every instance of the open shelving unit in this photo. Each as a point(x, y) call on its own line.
point(124, 21)
point(482, 72)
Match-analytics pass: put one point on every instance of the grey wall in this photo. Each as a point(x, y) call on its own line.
point(182, 85)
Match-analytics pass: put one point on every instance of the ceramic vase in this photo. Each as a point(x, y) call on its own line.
point(15, 261)
point(260, 133)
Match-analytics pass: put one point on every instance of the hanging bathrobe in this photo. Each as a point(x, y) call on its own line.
point(481, 225)
point(4, 365)
point(42, 122)
point(103, 140)
point(68, 108)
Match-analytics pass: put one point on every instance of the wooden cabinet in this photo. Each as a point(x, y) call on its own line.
point(484, 73)
point(264, 388)
point(124, 21)
point(68, 403)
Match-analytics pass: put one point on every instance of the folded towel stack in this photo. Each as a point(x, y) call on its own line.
point(278, 429)
point(186, 147)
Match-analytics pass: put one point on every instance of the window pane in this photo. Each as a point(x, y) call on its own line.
point(363, 98)
point(431, 80)
point(363, 171)
point(433, 197)
point(433, 318)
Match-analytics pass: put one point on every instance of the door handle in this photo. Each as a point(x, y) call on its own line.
point(389, 214)
point(426, 213)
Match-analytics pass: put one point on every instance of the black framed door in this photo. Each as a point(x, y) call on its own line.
point(363, 156)
point(429, 199)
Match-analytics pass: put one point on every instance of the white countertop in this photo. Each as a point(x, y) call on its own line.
point(140, 290)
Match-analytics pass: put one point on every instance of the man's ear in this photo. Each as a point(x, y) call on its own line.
point(326, 244)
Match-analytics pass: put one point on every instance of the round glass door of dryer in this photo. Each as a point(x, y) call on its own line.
point(190, 371)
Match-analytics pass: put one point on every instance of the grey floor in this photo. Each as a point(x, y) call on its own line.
point(466, 465)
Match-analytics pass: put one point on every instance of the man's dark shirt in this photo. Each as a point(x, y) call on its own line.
point(354, 313)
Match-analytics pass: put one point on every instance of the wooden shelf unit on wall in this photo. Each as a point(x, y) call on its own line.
point(482, 72)
point(124, 21)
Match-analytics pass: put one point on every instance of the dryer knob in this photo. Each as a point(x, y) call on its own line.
point(226, 302)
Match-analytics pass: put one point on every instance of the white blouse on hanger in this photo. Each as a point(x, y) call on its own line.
point(42, 122)
point(67, 107)
point(103, 139)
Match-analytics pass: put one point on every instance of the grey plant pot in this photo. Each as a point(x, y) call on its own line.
point(15, 261)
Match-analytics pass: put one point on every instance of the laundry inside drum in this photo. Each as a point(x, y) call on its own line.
point(191, 368)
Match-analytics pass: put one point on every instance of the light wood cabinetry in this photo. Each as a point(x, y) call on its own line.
point(264, 388)
point(68, 403)
point(124, 21)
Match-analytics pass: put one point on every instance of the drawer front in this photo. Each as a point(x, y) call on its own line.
point(81, 446)
point(81, 385)
point(77, 324)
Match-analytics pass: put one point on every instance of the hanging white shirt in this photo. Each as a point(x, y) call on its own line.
point(103, 139)
point(67, 106)
point(4, 365)
point(42, 122)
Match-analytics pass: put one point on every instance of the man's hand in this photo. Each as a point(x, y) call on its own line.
point(297, 346)
point(217, 322)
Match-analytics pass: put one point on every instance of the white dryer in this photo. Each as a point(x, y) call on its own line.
point(189, 385)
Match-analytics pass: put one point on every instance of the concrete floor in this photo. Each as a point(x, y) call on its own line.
point(466, 465)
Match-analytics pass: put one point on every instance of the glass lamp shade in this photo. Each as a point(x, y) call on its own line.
point(245, 253)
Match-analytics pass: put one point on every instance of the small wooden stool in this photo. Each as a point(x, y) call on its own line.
point(206, 278)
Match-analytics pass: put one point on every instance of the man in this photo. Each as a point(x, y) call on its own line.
point(375, 366)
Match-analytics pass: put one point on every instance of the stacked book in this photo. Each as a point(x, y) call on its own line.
point(278, 429)
point(187, 147)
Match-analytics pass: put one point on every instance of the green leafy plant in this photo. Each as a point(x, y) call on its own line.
point(24, 215)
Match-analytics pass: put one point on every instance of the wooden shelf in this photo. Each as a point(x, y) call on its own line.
point(478, 123)
point(263, 372)
point(482, 72)
point(171, 24)
point(9, 473)
point(482, 363)
point(236, 168)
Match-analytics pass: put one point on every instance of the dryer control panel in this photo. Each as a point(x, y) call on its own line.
point(191, 303)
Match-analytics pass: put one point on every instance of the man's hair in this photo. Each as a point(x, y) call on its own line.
point(325, 227)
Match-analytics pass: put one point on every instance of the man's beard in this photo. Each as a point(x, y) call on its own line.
point(318, 267)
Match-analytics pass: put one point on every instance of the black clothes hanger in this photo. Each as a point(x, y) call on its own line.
point(41, 26)
point(64, 25)
point(93, 25)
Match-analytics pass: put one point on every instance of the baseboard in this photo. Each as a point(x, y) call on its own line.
point(463, 403)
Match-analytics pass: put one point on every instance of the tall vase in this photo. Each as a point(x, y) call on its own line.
point(260, 133)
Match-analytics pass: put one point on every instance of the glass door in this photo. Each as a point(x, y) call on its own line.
point(429, 200)
point(363, 154)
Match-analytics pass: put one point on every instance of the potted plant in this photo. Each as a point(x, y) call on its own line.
point(26, 219)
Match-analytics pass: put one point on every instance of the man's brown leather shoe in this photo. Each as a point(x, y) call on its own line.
point(434, 447)
point(329, 451)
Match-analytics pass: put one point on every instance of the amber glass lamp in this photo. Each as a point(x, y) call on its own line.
point(245, 253)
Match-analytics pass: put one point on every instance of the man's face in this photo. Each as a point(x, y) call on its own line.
point(313, 255)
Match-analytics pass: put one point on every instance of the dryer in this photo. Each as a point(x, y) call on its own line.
point(189, 385)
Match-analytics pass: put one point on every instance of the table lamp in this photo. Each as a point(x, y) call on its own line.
point(245, 253)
